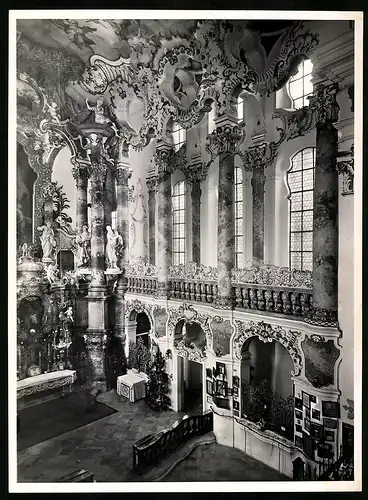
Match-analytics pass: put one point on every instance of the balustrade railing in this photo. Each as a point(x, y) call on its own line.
point(281, 300)
point(260, 288)
point(150, 449)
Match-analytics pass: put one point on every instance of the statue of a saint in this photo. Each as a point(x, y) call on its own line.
point(83, 240)
point(101, 115)
point(48, 240)
point(113, 247)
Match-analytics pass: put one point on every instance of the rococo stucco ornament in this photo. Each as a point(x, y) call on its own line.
point(267, 274)
point(268, 333)
point(187, 313)
point(139, 307)
point(346, 168)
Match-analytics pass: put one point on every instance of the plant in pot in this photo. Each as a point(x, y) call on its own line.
point(157, 387)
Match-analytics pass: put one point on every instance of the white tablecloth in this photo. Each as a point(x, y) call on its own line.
point(132, 386)
point(44, 382)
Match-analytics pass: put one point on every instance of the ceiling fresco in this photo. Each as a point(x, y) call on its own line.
point(176, 69)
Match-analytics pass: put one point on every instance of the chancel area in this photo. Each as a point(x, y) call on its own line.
point(185, 205)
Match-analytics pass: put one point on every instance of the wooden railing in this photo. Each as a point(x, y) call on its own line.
point(149, 450)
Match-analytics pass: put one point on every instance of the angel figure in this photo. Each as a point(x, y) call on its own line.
point(69, 315)
point(48, 241)
point(51, 273)
point(52, 109)
point(113, 247)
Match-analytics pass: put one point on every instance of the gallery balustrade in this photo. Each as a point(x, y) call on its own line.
point(264, 288)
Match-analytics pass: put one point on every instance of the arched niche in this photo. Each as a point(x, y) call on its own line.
point(26, 177)
point(267, 391)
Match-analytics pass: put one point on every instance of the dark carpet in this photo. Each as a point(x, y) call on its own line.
point(47, 420)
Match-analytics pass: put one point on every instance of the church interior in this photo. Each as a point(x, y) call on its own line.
point(184, 208)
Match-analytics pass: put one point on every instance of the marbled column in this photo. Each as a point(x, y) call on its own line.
point(325, 208)
point(325, 225)
point(164, 230)
point(226, 229)
point(196, 221)
point(81, 199)
point(123, 174)
point(108, 198)
point(152, 186)
point(97, 288)
point(258, 183)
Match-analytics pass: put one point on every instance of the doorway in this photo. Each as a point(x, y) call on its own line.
point(192, 386)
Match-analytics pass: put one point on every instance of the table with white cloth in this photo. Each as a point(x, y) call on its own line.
point(45, 382)
point(132, 386)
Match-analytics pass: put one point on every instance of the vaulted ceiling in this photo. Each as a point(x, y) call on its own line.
point(174, 68)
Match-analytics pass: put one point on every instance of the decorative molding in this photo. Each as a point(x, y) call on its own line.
point(187, 313)
point(268, 333)
point(225, 139)
point(323, 103)
point(349, 408)
point(141, 269)
point(138, 306)
point(193, 271)
point(190, 351)
point(271, 275)
point(346, 168)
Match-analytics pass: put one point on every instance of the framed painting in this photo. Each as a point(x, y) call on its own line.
point(316, 414)
point(324, 450)
point(298, 403)
point(221, 388)
point(307, 413)
point(312, 398)
point(316, 431)
point(330, 423)
point(236, 381)
point(305, 399)
point(209, 387)
point(235, 391)
point(329, 435)
point(299, 414)
point(307, 424)
point(208, 373)
point(331, 409)
point(298, 441)
point(298, 428)
point(236, 405)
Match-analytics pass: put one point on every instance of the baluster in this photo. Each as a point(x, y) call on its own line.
point(174, 289)
point(295, 304)
point(286, 305)
point(245, 297)
point(186, 288)
point(277, 301)
point(182, 290)
point(191, 290)
point(197, 291)
point(253, 298)
point(238, 297)
point(260, 298)
point(269, 300)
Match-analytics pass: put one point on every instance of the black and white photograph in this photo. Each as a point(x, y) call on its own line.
point(185, 192)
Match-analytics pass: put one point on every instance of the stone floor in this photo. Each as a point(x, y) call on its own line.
point(105, 447)
point(214, 462)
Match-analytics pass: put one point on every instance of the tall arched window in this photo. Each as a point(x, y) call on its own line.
point(300, 180)
point(178, 205)
point(300, 85)
point(238, 199)
point(179, 136)
point(240, 107)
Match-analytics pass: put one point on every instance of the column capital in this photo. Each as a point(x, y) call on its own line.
point(323, 104)
point(81, 173)
point(226, 138)
point(163, 158)
point(151, 184)
point(122, 174)
point(346, 168)
point(98, 170)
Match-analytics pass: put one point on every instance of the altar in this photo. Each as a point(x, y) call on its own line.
point(132, 386)
point(46, 381)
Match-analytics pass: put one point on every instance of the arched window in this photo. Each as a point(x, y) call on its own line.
point(238, 199)
point(300, 180)
point(178, 205)
point(179, 136)
point(240, 107)
point(300, 85)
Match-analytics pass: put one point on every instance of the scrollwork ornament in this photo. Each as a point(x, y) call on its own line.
point(269, 333)
point(324, 105)
point(225, 139)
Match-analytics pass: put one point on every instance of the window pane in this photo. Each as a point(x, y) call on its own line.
point(308, 179)
point(308, 66)
point(295, 181)
point(298, 103)
point(308, 261)
point(308, 242)
point(308, 221)
point(295, 260)
point(296, 201)
point(297, 162)
point(296, 88)
point(296, 221)
point(308, 200)
point(308, 87)
point(295, 242)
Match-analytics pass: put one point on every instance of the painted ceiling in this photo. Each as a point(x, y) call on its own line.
point(163, 68)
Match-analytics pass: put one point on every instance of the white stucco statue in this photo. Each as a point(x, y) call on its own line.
point(113, 247)
point(83, 240)
point(100, 114)
point(48, 241)
point(51, 273)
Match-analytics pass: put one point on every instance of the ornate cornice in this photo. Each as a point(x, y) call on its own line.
point(273, 276)
point(193, 271)
point(141, 269)
point(269, 333)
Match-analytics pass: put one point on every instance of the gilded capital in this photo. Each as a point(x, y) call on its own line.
point(163, 159)
point(151, 184)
